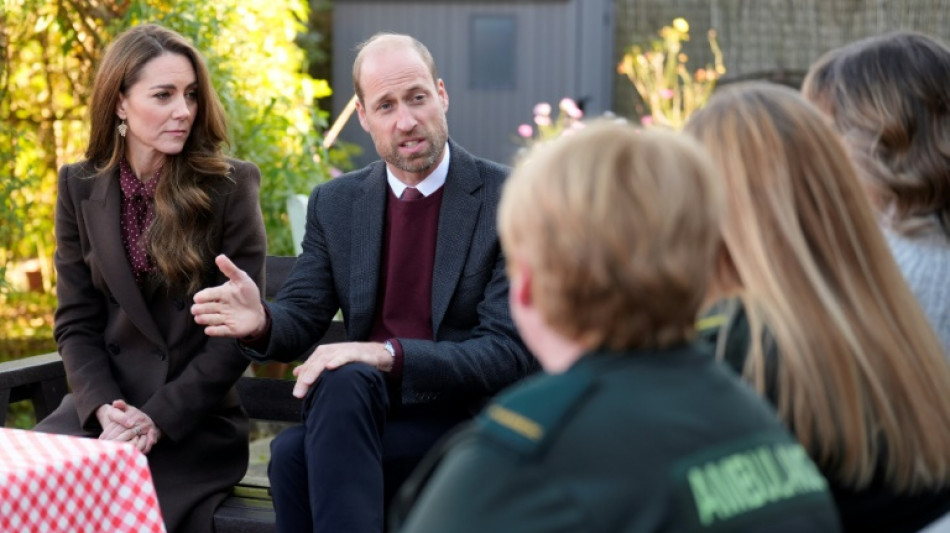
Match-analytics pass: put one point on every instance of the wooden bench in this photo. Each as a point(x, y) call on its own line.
point(248, 509)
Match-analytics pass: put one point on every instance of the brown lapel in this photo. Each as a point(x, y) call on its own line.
point(101, 212)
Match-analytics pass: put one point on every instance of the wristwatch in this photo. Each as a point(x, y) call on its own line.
point(389, 348)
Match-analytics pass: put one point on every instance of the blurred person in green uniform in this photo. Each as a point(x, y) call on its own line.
point(610, 235)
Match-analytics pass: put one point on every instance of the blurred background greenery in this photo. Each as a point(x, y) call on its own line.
point(269, 61)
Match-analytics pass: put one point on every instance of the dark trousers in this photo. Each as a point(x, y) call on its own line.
point(337, 471)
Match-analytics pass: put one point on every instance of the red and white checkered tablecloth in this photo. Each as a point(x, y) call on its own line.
point(54, 483)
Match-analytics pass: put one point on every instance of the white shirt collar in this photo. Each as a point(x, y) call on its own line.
point(433, 181)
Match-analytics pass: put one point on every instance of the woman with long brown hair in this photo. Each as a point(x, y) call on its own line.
point(138, 225)
point(825, 325)
point(888, 98)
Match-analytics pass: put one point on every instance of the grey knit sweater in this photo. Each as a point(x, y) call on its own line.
point(925, 261)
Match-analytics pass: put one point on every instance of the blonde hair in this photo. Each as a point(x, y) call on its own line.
point(888, 97)
point(861, 376)
point(619, 227)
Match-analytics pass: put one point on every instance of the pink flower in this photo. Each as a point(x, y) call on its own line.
point(570, 107)
point(666, 94)
point(647, 120)
point(542, 120)
point(526, 131)
point(543, 109)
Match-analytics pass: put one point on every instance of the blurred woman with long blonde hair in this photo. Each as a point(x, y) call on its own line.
point(825, 325)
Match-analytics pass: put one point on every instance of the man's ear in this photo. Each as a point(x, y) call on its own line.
point(361, 115)
point(443, 95)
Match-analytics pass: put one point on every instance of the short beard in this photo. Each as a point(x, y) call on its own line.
point(424, 161)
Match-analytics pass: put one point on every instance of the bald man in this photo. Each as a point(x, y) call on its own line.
point(407, 249)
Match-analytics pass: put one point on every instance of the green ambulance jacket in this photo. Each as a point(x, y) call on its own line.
point(622, 442)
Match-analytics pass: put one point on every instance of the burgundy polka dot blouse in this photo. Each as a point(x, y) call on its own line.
point(138, 206)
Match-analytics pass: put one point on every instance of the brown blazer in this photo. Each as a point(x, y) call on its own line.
point(142, 345)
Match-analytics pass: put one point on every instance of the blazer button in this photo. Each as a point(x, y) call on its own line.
point(161, 355)
point(179, 304)
point(113, 348)
point(112, 300)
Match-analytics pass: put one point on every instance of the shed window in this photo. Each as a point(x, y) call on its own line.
point(492, 52)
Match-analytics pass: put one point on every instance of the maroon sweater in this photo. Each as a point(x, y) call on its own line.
point(404, 295)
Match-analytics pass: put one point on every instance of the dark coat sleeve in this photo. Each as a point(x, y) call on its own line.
point(81, 312)
point(311, 295)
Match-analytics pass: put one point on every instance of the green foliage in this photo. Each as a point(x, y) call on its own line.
point(20, 415)
point(660, 75)
point(317, 43)
point(45, 65)
point(27, 319)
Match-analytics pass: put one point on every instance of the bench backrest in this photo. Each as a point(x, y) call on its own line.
point(276, 270)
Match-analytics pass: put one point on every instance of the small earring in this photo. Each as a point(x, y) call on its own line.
point(122, 127)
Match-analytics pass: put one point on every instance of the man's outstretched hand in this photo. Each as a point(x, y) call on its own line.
point(233, 309)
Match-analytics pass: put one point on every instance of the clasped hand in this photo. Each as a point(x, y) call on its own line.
point(125, 423)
